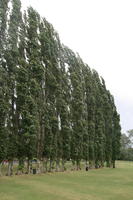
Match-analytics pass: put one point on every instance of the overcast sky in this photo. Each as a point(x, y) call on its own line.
point(101, 31)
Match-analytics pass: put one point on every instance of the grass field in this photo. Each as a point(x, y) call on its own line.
point(100, 184)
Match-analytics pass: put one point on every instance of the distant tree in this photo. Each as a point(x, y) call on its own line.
point(126, 149)
point(125, 141)
point(130, 135)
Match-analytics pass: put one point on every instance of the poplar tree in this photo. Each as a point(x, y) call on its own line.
point(22, 90)
point(3, 82)
point(116, 136)
point(11, 56)
point(4, 105)
point(35, 78)
point(76, 108)
point(64, 110)
point(109, 128)
point(91, 109)
point(50, 51)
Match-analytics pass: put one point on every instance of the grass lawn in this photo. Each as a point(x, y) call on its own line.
point(100, 184)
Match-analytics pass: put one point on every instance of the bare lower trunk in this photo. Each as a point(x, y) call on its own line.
point(10, 168)
point(45, 165)
point(1, 169)
point(50, 165)
point(96, 164)
point(28, 166)
point(86, 165)
point(113, 162)
point(102, 163)
point(73, 165)
point(108, 164)
point(39, 167)
point(57, 165)
point(20, 169)
point(78, 165)
point(63, 165)
point(91, 165)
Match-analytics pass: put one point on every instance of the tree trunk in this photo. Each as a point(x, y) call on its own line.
point(113, 163)
point(45, 164)
point(0, 168)
point(96, 164)
point(57, 165)
point(38, 166)
point(78, 165)
point(102, 163)
point(91, 164)
point(10, 168)
point(20, 169)
point(108, 164)
point(73, 164)
point(50, 165)
point(63, 165)
point(86, 165)
point(28, 166)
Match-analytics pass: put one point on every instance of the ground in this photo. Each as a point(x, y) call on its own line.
point(96, 184)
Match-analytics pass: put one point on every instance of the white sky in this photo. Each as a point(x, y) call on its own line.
point(101, 31)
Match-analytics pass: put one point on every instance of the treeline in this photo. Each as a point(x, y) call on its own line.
point(53, 107)
point(126, 149)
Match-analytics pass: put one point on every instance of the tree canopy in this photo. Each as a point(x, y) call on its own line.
point(53, 107)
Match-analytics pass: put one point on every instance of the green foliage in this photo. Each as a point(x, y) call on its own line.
point(52, 105)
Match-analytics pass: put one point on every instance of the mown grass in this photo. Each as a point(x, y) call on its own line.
point(100, 184)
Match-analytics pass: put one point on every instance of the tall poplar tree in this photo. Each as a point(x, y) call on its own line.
point(76, 107)
point(99, 123)
point(3, 81)
point(11, 56)
point(91, 109)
